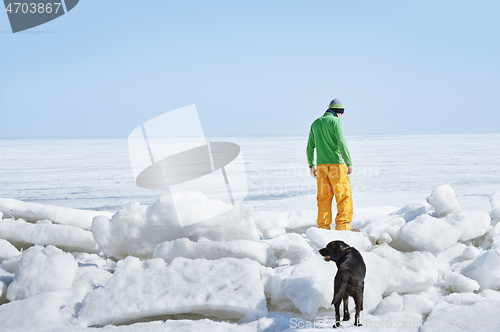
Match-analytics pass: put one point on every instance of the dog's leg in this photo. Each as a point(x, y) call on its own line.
point(347, 317)
point(339, 289)
point(358, 301)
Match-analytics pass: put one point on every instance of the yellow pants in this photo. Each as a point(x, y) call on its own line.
point(334, 181)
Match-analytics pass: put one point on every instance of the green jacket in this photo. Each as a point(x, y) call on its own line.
point(327, 136)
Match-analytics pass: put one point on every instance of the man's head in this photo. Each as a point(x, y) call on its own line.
point(337, 107)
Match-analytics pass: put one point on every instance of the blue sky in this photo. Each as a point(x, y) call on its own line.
point(255, 67)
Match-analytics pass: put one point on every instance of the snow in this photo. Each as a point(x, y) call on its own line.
point(204, 248)
point(429, 233)
point(485, 269)
point(42, 270)
point(443, 200)
point(44, 233)
point(7, 250)
point(392, 303)
point(59, 215)
point(224, 288)
point(256, 267)
point(137, 229)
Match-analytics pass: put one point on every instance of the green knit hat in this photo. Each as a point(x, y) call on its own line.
point(336, 105)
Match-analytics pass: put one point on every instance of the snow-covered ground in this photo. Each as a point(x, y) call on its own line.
point(77, 252)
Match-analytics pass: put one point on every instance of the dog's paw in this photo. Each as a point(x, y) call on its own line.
point(346, 318)
point(337, 324)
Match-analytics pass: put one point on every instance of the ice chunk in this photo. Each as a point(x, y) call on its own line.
point(384, 231)
point(485, 269)
point(7, 250)
point(42, 270)
point(495, 205)
point(273, 224)
point(455, 282)
point(321, 237)
point(429, 233)
point(392, 303)
point(274, 285)
point(63, 236)
point(413, 210)
point(289, 249)
point(43, 312)
point(186, 248)
point(410, 271)
point(60, 215)
point(470, 252)
point(417, 303)
point(464, 312)
point(378, 272)
point(137, 230)
point(310, 285)
point(224, 288)
point(472, 223)
point(443, 200)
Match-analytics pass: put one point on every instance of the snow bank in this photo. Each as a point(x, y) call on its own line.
point(44, 233)
point(410, 271)
point(7, 250)
point(59, 215)
point(137, 230)
point(186, 248)
point(289, 249)
point(392, 303)
point(378, 273)
point(273, 224)
point(413, 210)
point(443, 200)
point(321, 237)
point(42, 270)
point(465, 312)
point(384, 230)
point(472, 223)
point(310, 285)
point(429, 233)
point(224, 288)
point(485, 269)
point(43, 312)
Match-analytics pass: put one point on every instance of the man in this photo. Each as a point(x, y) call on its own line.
point(333, 167)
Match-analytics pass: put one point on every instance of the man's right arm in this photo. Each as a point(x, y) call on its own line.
point(310, 149)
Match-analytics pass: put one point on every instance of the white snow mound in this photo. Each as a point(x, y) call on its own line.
point(224, 288)
point(59, 215)
point(137, 229)
point(443, 200)
point(42, 270)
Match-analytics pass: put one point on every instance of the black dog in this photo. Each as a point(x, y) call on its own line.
point(349, 280)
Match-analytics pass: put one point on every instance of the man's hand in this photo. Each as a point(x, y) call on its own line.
point(314, 172)
point(349, 169)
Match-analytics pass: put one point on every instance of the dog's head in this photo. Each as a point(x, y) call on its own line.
point(332, 250)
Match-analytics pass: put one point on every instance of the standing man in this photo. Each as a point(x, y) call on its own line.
point(333, 167)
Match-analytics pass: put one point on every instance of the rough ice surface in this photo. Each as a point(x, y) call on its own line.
point(42, 270)
point(485, 269)
point(186, 248)
point(59, 215)
point(443, 200)
point(7, 250)
point(45, 233)
point(429, 233)
point(245, 271)
point(137, 230)
point(224, 288)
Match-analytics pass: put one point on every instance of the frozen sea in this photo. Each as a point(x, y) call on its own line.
point(133, 267)
point(390, 170)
